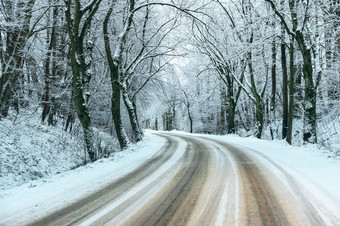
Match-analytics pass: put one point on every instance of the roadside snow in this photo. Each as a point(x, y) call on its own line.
point(311, 167)
point(30, 150)
point(306, 162)
point(314, 168)
point(45, 195)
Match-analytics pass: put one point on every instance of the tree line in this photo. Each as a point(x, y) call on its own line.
point(247, 64)
point(268, 64)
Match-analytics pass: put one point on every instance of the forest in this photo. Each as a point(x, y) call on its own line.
point(263, 68)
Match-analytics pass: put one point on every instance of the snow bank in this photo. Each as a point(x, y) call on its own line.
point(30, 150)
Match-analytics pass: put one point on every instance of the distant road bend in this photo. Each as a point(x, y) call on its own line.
point(198, 181)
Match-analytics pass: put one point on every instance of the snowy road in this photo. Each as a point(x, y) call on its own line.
point(196, 180)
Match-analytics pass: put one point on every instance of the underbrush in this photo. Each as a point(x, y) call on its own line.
point(30, 150)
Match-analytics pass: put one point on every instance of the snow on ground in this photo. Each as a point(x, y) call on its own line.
point(48, 194)
point(314, 168)
point(30, 150)
point(161, 176)
point(318, 170)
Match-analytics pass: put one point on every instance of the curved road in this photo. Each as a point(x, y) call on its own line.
point(206, 182)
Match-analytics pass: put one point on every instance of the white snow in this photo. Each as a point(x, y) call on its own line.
point(45, 195)
point(221, 214)
point(30, 150)
point(311, 167)
point(316, 169)
point(157, 176)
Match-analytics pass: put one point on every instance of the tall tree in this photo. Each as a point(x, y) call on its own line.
point(284, 86)
point(311, 79)
point(50, 65)
point(115, 65)
point(79, 19)
point(273, 79)
point(146, 51)
point(292, 71)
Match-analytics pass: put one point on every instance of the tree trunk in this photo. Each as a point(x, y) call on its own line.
point(190, 119)
point(84, 116)
point(309, 118)
point(231, 116)
point(6, 92)
point(259, 119)
point(273, 95)
point(116, 114)
point(49, 56)
point(134, 105)
point(156, 124)
point(137, 134)
point(284, 89)
point(223, 109)
point(291, 93)
point(79, 101)
point(80, 67)
point(292, 72)
point(257, 100)
point(116, 90)
point(46, 97)
point(70, 115)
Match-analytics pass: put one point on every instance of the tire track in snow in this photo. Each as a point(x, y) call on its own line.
point(262, 206)
point(174, 204)
point(296, 205)
point(84, 207)
point(197, 181)
point(200, 195)
point(257, 204)
point(313, 211)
